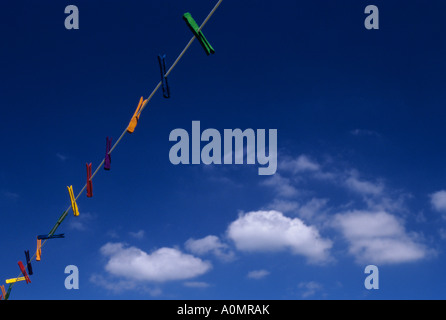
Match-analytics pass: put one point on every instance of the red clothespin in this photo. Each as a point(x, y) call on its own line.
point(89, 182)
point(22, 268)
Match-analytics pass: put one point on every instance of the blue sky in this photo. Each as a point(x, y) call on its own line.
point(361, 168)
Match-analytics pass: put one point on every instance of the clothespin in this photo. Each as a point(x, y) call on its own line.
point(162, 63)
point(2, 288)
point(28, 263)
point(193, 26)
point(73, 201)
point(53, 236)
point(134, 121)
point(89, 182)
point(22, 268)
point(8, 292)
point(39, 249)
point(107, 161)
point(14, 280)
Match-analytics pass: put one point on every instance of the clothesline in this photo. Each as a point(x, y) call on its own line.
point(65, 213)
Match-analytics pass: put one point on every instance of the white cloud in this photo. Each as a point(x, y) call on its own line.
point(309, 288)
point(11, 195)
point(119, 286)
point(61, 156)
point(196, 284)
point(115, 287)
point(209, 244)
point(113, 234)
point(438, 200)
point(257, 274)
point(313, 209)
point(283, 205)
point(137, 235)
point(281, 185)
point(81, 222)
point(387, 202)
point(301, 164)
point(204, 245)
point(364, 132)
point(378, 238)
point(363, 187)
point(165, 264)
point(264, 231)
point(372, 234)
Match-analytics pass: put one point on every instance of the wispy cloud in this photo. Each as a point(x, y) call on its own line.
point(438, 201)
point(309, 288)
point(282, 186)
point(11, 195)
point(81, 222)
point(300, 164)
point(137, 235)
point(119, 286)
point(365, 132)
point(369, 209)
point(210, 244)
point(363, 187)
point(113, 234)
point(283, 205)
point(196, 284)
point(61, 157)
point(290, 185)
point(442, 233)
point(313, 209)
point(258, 274)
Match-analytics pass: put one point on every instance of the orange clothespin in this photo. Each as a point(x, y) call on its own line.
point(132, 125)
point(39, 250)
point(3, 296)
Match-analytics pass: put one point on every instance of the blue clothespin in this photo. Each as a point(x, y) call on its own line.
point(162, 63)
point(28, 263)
point(54, 236)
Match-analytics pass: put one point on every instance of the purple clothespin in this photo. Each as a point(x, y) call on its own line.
point(107, 161)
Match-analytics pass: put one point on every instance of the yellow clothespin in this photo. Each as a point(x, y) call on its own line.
point(73, 201)
point(132, 125)
point(13, 280)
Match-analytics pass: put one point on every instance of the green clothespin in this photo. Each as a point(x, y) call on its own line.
point(193, 26)
point(8, 292)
